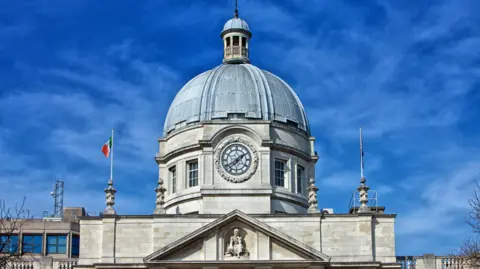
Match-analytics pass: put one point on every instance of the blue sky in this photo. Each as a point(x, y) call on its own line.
point(407, 71)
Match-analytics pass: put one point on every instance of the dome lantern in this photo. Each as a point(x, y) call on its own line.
point(236, 35)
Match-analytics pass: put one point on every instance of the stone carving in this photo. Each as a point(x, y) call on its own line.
point(110, 199)
point(363, 193)
point(236, 247)
point(225, 174)
point(160, 190)
point(312, 197)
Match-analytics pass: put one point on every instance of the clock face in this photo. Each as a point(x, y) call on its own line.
point(236, 159)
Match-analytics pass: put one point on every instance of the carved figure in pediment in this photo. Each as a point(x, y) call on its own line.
point(236, 246)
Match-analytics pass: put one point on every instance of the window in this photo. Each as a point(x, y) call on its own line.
point(75, 245)
point(236, 116)
point(56, 244)
point(9, 243)
point(32, 243)
point(244, 42)
point(236, 40)
point(300, 178)
point(192, 173)
point(228, 41)
point(172, 173)
point(280, 173)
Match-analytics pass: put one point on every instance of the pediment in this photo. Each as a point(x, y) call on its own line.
point(236, 236)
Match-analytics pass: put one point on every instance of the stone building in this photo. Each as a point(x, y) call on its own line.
point(237, 187)
point(236, 190)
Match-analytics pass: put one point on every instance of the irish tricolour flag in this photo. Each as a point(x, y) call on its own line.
point(107, 147)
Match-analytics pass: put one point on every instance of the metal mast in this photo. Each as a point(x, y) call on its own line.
point(57, 195)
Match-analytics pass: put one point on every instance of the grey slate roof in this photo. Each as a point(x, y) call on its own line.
point(235, 88)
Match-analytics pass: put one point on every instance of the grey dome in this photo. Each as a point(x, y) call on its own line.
point(239, 89)
point(236, 23)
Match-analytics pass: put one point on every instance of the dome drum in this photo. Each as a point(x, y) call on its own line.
point(210, 146)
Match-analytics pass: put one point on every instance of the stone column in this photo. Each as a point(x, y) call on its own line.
point(207, 166)
point(108, 239)
point(429, 261)
point(264, 165)
point(365, 238)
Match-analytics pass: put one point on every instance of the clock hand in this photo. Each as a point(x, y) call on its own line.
point(237, 160)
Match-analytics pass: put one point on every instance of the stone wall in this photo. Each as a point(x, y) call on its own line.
point(345, 238)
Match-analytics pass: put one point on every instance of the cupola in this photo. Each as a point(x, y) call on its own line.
point(236, 36)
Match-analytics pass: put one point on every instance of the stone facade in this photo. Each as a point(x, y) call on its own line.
point(236, 186)
point(305, 240)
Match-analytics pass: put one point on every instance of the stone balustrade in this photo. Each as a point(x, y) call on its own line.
point(43, 263)
point(233, 51)
point(430, 261)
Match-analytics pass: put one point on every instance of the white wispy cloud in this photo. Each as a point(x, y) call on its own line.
point(72, 108)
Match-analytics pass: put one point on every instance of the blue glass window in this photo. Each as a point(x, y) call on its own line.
point(75, 245)
point(56, 244)
point(9, 243)
point(32, 243)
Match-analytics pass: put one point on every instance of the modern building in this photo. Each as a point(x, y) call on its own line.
point(236, 190)
point(44, 243)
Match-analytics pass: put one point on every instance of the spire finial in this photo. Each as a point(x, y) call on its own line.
point(312, 197)
point(363, 188)
point(110, 199)
point(236, 9)
point(160, 190)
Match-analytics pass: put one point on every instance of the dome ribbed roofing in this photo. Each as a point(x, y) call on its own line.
point(239, 89)
point(236, 23)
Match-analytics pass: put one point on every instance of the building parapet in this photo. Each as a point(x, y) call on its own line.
point(430, 261)
point(43, 263)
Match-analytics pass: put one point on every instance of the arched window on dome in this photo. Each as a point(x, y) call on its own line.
point(228, 41)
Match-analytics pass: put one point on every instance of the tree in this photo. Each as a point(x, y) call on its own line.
point(11, 222)
point(469, 252)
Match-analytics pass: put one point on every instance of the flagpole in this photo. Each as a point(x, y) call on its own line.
point(110, 190)
point(361, 153)
point(111, 160)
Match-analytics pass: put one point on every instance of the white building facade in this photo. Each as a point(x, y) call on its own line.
point(237, 185)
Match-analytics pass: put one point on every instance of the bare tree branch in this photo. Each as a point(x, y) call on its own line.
point(11, 223)
point(469, 253)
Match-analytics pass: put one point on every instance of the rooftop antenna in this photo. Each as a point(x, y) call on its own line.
point(236, 9)
point(57, 195)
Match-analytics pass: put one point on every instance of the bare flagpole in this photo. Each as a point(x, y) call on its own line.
point(361, 153)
